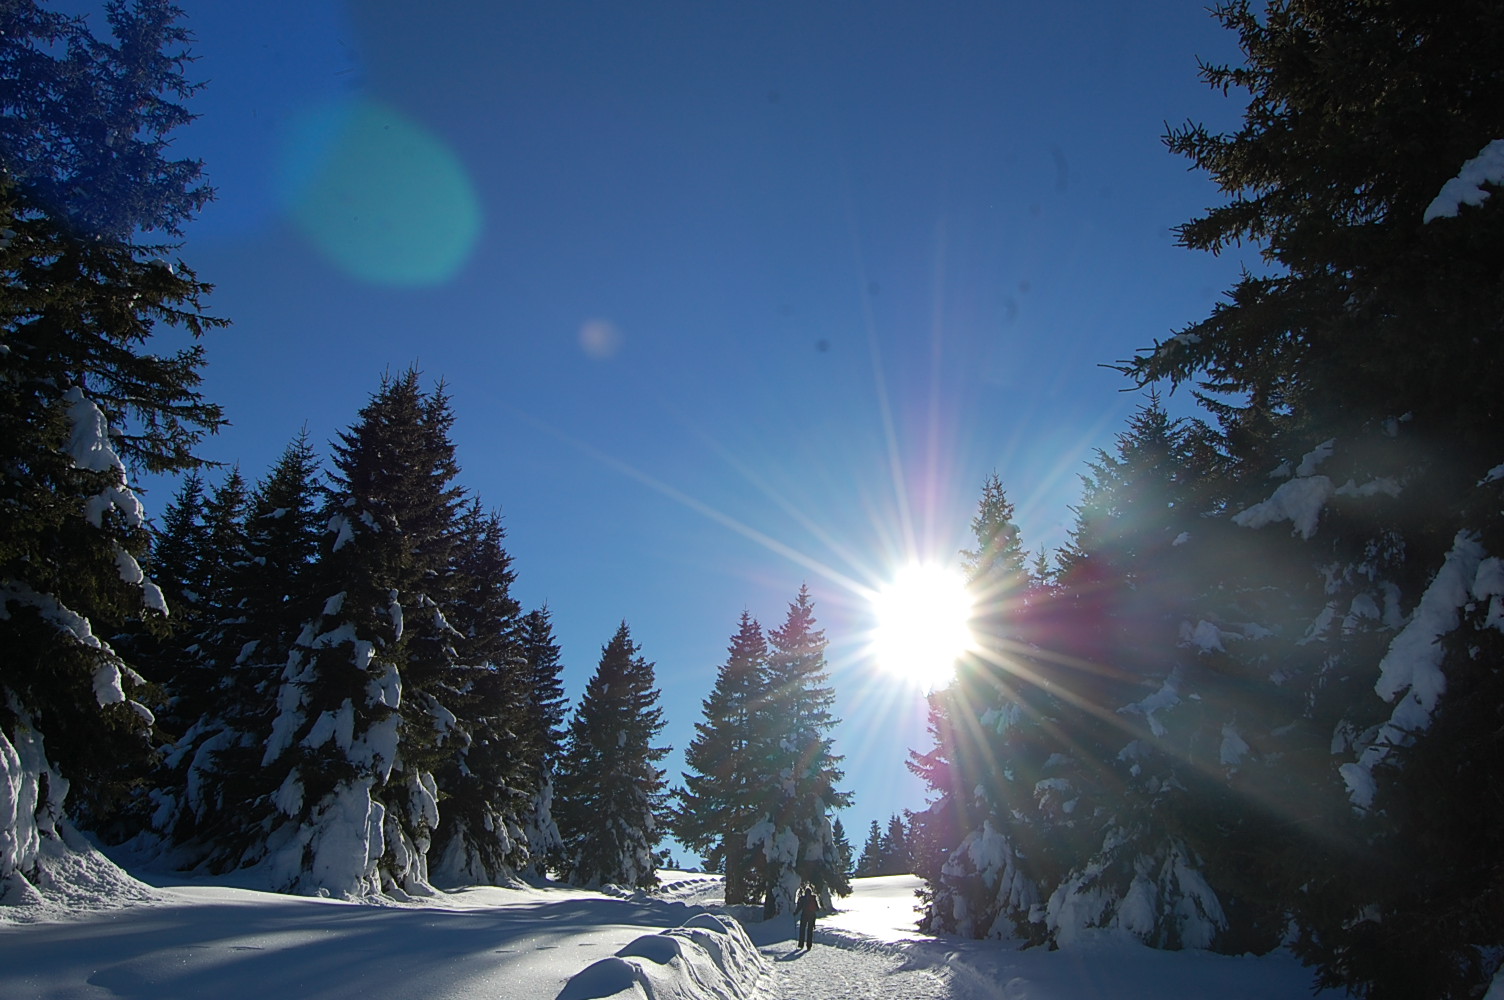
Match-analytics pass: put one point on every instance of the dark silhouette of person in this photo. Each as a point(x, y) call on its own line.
point(807, 908)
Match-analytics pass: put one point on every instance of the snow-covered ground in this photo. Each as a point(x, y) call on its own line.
point(203, 939)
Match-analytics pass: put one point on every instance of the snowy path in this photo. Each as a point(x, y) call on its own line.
point(837, 969)
point(190, 941)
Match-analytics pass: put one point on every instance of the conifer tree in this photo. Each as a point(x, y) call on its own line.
point(355, 739)
point(895, 848)
point(82, 400)
point(1355, 370)
point(212, 773)
point(718, 804)
point(993, 826)
point(177, 558)
point(200, 663)
point(793, 835)
point(1120, 582)
point(844, 855)
point(871, 861)
point(485, 774)
point(542, 736)
point(611, 791)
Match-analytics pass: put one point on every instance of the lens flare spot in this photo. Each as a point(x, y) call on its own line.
point(378, 195)
point(600, 339)
point(922, 624)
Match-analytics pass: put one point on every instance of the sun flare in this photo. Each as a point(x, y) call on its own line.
point(922, 624)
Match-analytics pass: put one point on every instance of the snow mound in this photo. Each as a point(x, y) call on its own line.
point(70, 878)
point(707, 957)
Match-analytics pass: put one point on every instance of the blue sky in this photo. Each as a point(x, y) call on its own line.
point(729, 297)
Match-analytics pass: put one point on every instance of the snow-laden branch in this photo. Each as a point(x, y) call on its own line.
point(1467, 187)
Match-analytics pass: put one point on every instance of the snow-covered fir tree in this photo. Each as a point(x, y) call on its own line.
point(611, 800)
point(487, 778)
point(83, 129)
point(543, 736)
point(720, 799)
point(792, 835)
point(354, 740)
point(1354, 381)
point(1121, 586)
point(1003, 772)
point(212, 772)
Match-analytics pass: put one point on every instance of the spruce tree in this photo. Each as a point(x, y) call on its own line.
point(844, 855)
point(1352, 382)
point(82, 400)
point(201, 661)
point(719, 801)
point(871, 861)
point(611, 792)
point(895, 848)
point(999, 768)
point(801, 769)
point(360, 712)
point(542, 736)
point(1123, 585)
point(485, 776)
point(212, 773)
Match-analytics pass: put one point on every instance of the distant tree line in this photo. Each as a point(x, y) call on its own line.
point(886, 851)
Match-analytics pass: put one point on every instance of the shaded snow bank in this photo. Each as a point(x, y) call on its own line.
point(68, 878)
point(707, 958)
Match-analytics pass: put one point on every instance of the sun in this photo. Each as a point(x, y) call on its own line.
point(922, 624)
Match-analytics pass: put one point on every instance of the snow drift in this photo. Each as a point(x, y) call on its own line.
point(708, 956)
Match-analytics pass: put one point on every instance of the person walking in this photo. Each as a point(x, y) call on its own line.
point(807, 908)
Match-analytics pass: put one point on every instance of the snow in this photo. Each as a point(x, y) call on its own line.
point(117, 937)
point(343, 532)
point(1313, 459)
point(1488, 585)
point(89, 442)
point(1410, 674)
point(1467, 187)
point(1204, 635)
point(1298, 501)
point(708, 956)
point(1233, 746)
point(1168, 696)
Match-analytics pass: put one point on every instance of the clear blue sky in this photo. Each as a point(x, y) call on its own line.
point(729, 297)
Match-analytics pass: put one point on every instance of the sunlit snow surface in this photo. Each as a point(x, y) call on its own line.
point(205, 940)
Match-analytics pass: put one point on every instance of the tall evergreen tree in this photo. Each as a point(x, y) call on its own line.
point(198, 664)
point(611, 791)
point(1002, 768)
point(543, 736)
point(844, 854)
point(719, 801)
point(213, 771)
point(871, 861)
point(1357, 370)
point(85, 121)
point(793, 834)
point(486, 775)
point(1121, 579)
point(355, 738)
point(82, 400)
point(895, 848)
